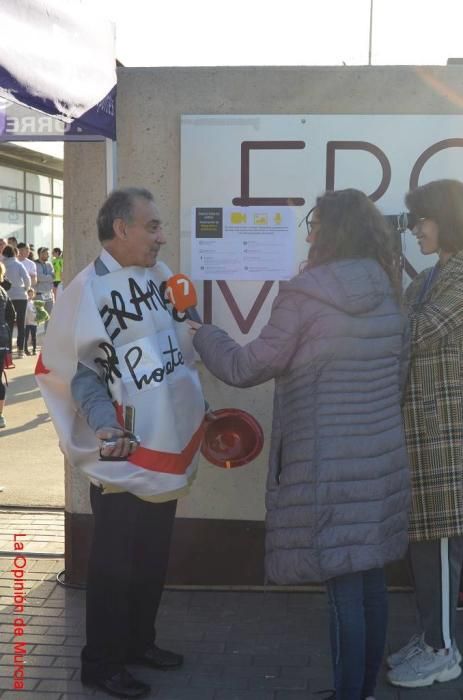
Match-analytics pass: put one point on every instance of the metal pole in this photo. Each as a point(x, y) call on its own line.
point(371, 33)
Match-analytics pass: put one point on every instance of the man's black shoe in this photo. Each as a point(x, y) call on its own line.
point(154, 657)
point(121, 685)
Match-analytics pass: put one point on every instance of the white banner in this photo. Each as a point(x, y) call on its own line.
point(287, 161)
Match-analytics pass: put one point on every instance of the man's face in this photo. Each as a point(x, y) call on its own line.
point(143, 237)
point(43, 255)
point(2, 244)
point(23, 252)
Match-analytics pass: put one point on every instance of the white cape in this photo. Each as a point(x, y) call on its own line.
point(120, 326)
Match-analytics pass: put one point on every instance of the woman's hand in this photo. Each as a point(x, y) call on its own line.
point(194, 326)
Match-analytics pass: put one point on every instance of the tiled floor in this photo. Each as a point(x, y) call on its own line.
point(40, 531)
point(237, 645)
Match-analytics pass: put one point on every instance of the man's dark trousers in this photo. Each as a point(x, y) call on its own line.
point(126, 574)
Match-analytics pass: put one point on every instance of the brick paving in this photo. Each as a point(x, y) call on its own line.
point(238, 645)
point(44, 530)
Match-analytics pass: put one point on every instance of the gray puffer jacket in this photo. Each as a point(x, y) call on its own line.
point(338, 485)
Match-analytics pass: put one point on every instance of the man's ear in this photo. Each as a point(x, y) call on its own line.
point(119, 228)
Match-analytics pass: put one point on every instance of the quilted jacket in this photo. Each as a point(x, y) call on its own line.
point(433, 408)
point(338, 482)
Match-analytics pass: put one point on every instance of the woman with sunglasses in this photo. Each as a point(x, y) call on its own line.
point(338, 482)
point(433, 413)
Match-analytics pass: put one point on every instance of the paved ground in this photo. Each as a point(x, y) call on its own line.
point(43, 532)
point(31, 464)
point(238, 645)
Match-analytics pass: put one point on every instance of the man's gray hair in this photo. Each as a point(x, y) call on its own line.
point(119, 205)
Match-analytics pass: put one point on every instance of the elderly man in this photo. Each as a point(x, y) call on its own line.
point(132, 372)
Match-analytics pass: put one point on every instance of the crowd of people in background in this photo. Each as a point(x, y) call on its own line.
point(29, 283)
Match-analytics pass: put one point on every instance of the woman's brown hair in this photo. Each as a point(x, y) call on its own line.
point(441, 201)
point(352, 227)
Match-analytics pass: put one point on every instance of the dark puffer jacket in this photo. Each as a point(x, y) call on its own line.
point(7, 315)
point(338, 483)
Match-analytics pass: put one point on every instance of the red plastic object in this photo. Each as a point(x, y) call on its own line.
point(8, 361)
point(233, 439)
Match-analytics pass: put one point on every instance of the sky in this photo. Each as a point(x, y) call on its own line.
point(293, 32)
point(290, 32)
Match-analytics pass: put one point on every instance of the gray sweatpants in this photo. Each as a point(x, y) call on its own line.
point(436, 567)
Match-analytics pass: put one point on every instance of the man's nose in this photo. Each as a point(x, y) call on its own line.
point(161, 236)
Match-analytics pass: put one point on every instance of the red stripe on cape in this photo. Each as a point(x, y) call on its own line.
point(165, 462)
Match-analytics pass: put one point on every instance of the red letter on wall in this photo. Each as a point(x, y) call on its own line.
point(333, 146)
point(245, 200)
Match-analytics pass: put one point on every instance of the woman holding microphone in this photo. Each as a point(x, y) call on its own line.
point(338, 486)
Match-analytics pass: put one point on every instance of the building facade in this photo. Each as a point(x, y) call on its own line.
point(31, 197)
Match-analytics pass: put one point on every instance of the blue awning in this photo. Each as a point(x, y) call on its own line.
point(58, 59)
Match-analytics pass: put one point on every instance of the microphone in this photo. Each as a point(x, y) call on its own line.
point(182, 293)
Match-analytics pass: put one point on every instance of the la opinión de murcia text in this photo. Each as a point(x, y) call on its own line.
point(18, 572)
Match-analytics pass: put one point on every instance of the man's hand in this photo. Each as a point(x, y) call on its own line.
point(120, 446)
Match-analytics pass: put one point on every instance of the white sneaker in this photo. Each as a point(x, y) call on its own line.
point(398, 657)
point(2, 422)
point(424, 667)
point(414, 643)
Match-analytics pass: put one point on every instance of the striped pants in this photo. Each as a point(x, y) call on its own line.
point(436, 567)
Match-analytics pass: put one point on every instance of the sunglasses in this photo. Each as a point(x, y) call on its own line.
point(309, 223)
point(405, 220)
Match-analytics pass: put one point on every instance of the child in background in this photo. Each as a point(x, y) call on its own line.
point(31, 322)
point(57, 262)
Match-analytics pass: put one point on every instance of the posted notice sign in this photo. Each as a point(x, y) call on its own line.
point(242, 243)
